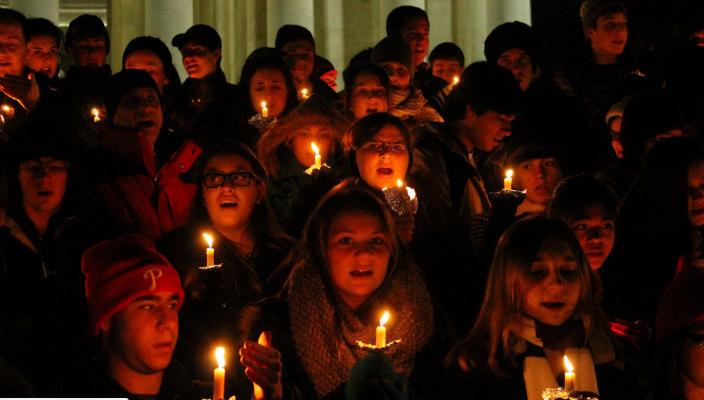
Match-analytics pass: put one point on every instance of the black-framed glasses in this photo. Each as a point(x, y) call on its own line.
point(216, 179)
point(699, 338)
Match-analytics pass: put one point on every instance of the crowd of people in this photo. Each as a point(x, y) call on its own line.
point(145, 221)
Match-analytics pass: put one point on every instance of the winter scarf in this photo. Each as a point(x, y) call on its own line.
point(326, 330)
point(410, 103)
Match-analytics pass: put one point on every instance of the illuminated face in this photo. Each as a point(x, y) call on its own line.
point(368, 96)
point(329, 78)
point(268, 85)
point(447, 69)
point(150, 63)
point(383, 159)
point(538, 178)
point(43, 55)
point(142, 336)
point(554, 287)
point(595, 232)
point(198, 60)
point(609, 37)
point(140, 109)
point(416, 32)
point(43, 183)
point(399, 74)
point(695, 187)
point(300, 56)
point(323, 137)
point(230, 207)
point(615, 130)
point(698, 38)
point(358, 256)
point(13, 49)
point(519, 63)
point(487, 130)
point(89, 52)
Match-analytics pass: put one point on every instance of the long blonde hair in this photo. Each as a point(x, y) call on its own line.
point(502, 314)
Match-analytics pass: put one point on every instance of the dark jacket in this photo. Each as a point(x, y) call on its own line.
point(215, 297)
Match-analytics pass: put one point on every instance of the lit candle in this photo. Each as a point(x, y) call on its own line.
point(8, 111)
point(455, 80)
point(219, 375)
point(265, 111)
point(304, 93)
point(96, 114)
point(381, 331)
point(318, 161)
point(508, 180)
point(264, 340)
point(411, 193)
point(569, 375)
point(209, 252)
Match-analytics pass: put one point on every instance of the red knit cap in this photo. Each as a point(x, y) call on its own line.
point(119, 271)
point(682, 304)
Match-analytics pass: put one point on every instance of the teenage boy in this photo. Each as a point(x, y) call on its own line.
point(480, 110)
point(43, 48)
point(133, 296)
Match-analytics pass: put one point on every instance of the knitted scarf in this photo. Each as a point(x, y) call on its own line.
point(325, 329)
point(404, 103)
point(569, 338)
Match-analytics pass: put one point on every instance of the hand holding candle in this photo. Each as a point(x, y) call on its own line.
point(219, 375)
point(209, 252)
point(402, 200)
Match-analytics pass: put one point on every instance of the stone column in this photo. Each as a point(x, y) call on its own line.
point(125, 22)
point(48, 9)
point(288, 12)
point(500, 11)
point(167, 18)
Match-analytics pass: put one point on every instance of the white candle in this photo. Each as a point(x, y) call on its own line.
point(569, 375)
point(96, 114)
point(219, 375)
point(209, 252)
point(381, 331)
point(265, 111)
point(318, 161)
point(508, 180)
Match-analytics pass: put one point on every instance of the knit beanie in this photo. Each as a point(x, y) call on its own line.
point(121, 83)
point(513, 35)
point(119, 271)
point(682, 303)
point(393, 48)
point(616, 111)
point(528, 150)
point(86, 26)
point(591, 9)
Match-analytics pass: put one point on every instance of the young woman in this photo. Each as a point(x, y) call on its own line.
point(265, 78)
point(367, 89)
point(540, 304)
point(349, 269)
point(232, 208)
point(286, 152)
point(379, 152)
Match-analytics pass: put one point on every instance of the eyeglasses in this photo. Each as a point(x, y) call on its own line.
point(699, 338)
point(380, 147)
point(238, 179)
point(520, 62)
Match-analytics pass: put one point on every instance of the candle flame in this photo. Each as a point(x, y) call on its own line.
point(568, 365)
point(5, 108)
point(208, 239)
point(315, 148)
point(95, 112)
point(509, 173)
point(263, 104)
point(384, 319)
point(411, 193)
point(220, 356)
point(399, 182)
point(304, 92)
point(455, 80)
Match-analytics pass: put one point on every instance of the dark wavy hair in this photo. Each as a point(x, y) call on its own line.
point(265, 58)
